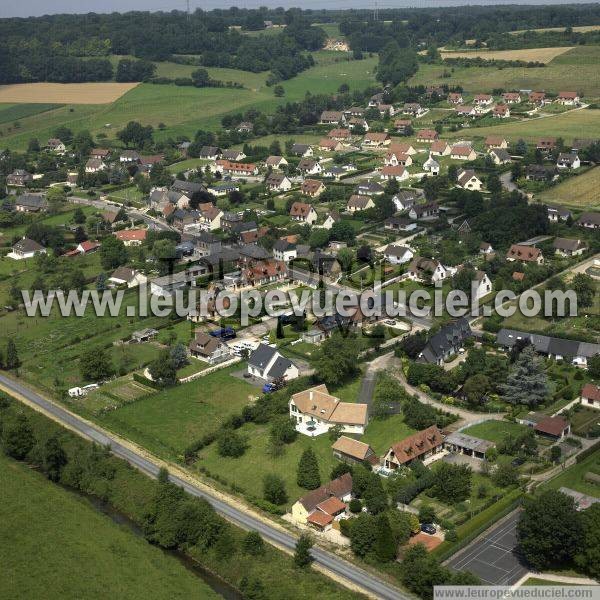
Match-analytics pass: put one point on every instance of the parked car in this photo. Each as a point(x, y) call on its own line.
point(428, 528)
point(517, 462)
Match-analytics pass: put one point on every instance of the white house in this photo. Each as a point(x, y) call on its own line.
point(303, 212)
point(481, 285)
point(422, 269)
point(568, 98)
point(398, 255)
point(315, 411)
point(126, 276)
point(284, 251)
point(278, 182)
point(590, 396)
point(26, 248)
point(568, 160)
point(463, 152)
point(330, 220)
point(467, 180)
point(431, 166)
point(399, 173)
point(268, 364)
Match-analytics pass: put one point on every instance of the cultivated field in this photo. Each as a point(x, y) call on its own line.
point(96, 557)
point(576, 69)
point(581, 29)
point(582, 191)
point(64, 93)
point(544, 55)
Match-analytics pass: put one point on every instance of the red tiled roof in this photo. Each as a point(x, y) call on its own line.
point(331, 506)
point(319, 518)
point(417, 444)
point(552, 426)
point(591, 391)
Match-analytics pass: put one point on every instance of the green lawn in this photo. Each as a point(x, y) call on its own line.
point(248, 471)
point(50, 347)
point(494, 431)
point(573, 477)
point(382, 433)
point(57, 545)
point(168, 421)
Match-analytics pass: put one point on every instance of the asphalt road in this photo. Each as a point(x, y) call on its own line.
point(371, 584)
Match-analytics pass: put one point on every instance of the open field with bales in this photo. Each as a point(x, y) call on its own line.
point(582, 191)
point(576, 69)
point(65, 93)
point(544, 55)
point(116, 562)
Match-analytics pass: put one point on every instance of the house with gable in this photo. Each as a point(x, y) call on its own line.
point(268, 364)
point(303, 212)
point(315, 411)
point(419, 446)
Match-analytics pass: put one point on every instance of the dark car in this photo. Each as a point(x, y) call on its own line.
point(428, 528)
point(517, 462)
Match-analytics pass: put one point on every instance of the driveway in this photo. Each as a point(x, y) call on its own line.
point(367, 387)
point(466, 417)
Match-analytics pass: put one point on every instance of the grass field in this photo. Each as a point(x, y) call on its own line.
point(183, 110)
point(65, 93)
point(169, 421)
point(573, 70)
point(544, 55)
point(97, 558)
point(494, 431)
point(9, 113)
point(569, 125)
point(248, 471)
point(573, 477)
point(582, 191)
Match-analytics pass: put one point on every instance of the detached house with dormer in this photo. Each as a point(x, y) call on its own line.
point(446, 342)
point(303, 212)
point(427, 269)
point(419, 446)
point(529, 254)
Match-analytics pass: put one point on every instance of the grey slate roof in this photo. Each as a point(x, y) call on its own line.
point(447, 338)
point(261, 357)
point(546, 344)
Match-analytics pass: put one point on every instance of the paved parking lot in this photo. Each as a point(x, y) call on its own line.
point(493, 557)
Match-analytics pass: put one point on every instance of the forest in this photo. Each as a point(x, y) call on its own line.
point(75, 48)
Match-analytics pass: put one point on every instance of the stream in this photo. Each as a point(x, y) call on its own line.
point(218, 585)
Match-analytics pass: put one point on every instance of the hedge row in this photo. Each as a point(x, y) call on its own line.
point(469, 531)
point(588, 451)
